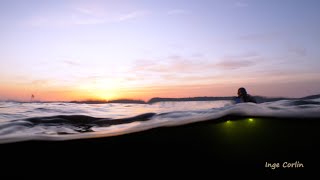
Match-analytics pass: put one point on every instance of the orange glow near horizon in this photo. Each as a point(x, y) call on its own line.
point(111, 92)
point(23, 93)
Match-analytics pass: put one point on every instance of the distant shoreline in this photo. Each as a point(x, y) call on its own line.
point(260, 99)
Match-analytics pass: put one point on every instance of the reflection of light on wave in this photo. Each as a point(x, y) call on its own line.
point(116, 129)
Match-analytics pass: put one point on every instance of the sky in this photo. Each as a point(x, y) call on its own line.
point(61, 50)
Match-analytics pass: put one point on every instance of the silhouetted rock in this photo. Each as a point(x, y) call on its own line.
point(90, 102)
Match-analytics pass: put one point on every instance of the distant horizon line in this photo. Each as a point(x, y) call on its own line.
point(209, 98)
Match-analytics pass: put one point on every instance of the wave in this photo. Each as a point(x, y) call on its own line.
point(67, 127)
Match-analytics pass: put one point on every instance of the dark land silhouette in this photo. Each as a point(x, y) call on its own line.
point(111, 101)
point(259, 99)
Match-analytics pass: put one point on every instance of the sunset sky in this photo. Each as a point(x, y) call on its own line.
point(139, 49)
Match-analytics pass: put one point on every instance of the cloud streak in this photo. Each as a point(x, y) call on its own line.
point(130, 15)
point(91, 13)
point(241, 4)
point(105, 12)
point(261, 37)
point(234, 64)
point(176, 12)
point(70, 62)
point(299, 51)
point(182, 65)
point(174, 64)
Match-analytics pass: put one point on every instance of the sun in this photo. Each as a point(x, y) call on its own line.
point(106, 95)
point(102, 89)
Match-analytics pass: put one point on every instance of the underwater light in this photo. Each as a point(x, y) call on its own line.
point(250, 119)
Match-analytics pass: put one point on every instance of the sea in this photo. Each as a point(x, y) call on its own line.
point(60, 121)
